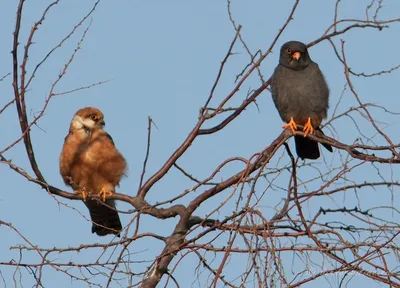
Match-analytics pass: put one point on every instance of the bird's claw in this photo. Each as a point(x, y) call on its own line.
point(104, 193)
point(292, 125)
point(308, 129)
point(84, 193)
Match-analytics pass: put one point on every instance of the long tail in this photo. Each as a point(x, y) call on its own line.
point(307, 148)
point(105, 220)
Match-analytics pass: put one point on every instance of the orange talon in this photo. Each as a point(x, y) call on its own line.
point(84, 193)
point(104, 193)
point(308, 128)
point(292, 125)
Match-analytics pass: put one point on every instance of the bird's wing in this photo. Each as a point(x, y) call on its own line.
point(109, 163)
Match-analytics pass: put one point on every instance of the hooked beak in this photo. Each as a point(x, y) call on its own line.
point(296, 55)
point(102, 123)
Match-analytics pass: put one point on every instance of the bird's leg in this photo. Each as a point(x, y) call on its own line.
point(104, 193)
point(292, 125)
point(308, 128)
point(83, 192)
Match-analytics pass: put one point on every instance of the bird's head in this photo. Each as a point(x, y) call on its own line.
point(88, 118)
point(294, 55)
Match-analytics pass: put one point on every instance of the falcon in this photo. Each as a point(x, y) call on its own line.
point(91, 164)
point(301, 96)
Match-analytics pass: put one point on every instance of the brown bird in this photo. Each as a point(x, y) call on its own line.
point(91, 164)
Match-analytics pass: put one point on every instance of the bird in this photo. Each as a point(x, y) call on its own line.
point(91, 164)
point(301, 96)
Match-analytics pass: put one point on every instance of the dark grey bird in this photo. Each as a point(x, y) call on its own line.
point(301, 96)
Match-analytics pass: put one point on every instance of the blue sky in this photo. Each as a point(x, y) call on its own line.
point(160, 59)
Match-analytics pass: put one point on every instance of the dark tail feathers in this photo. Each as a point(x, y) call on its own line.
point(105, 220)
point(307, 148)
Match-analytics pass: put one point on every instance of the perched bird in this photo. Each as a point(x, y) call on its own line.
point(91, 165)
point(301, 96)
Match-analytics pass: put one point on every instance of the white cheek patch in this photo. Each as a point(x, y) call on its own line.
point(78, 122)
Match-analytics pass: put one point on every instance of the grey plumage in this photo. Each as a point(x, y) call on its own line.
point(299, 90)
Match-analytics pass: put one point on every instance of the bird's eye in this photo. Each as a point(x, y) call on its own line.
point(289, 51)
point(93, 117)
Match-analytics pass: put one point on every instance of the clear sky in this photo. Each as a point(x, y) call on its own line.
point(160, 59)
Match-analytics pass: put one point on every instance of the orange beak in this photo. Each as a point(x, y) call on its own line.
point(296, 55)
